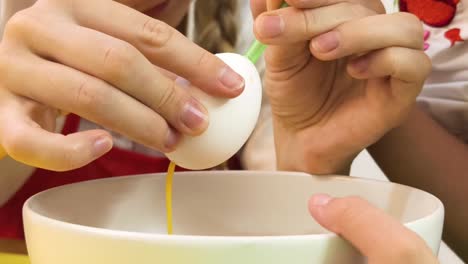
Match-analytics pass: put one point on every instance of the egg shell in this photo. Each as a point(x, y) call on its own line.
point(231, 120)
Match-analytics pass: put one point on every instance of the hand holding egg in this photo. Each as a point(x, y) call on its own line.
point(104, 72)
point(231, 120)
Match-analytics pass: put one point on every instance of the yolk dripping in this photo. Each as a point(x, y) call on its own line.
point(169, 179)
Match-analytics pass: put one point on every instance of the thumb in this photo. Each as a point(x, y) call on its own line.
point(378, 236)
point(37, 147)
point(285, 57)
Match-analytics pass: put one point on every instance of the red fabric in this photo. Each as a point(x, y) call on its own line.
point(117, 162)
point(436, 13)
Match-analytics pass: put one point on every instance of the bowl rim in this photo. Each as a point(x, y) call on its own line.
point(179, 238)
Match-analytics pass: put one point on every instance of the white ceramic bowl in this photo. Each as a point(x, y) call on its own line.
point(219, 218)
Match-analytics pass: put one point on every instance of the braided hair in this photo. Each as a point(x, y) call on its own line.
point(216, 27)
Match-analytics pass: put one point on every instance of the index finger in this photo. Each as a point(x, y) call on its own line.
point(376, 5)
point(375, 234)
point(162, 45)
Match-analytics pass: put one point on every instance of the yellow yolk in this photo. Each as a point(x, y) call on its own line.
point(169, 179)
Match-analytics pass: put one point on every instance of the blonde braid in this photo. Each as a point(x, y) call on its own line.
point(216, 26)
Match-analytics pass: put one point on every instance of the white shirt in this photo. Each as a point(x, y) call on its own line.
point(445, 94)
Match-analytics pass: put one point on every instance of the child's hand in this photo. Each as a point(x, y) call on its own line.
point(97, 59)
point(379, 237)
point(338, 76)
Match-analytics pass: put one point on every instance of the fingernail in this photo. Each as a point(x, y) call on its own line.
point(172, 139)
point(321, 200)
point(102, 145)
point(194, 116)
point(360, 65)
point(230, 79)
point(326, 42)
point(271, 26)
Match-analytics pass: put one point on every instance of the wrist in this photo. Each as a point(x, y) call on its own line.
point(316, 164)
point(298, 153)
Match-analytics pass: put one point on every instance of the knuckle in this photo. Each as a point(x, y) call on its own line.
point(86, 96)
point(167, 98)
point(310, 19)
point(152, 132)
point(358, 10)
point(426, 65)
point(420, 72)
point(204, 59)
point(390, 56)
point(156, 33)
point(414, 28)
point(20, 23)
point(155, 132)
point(410, 18)
point(400, 62)
point(118, 59)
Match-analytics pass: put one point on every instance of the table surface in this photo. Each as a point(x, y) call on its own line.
point(13, 252)
point(7, 258)
point(13, 247)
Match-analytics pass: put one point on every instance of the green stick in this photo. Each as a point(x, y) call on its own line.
point(257, 49)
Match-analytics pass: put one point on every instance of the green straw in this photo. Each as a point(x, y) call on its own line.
point(257, 49)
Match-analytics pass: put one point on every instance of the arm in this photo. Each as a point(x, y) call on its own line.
point(422, 154)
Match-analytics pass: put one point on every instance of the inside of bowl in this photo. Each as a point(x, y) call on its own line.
point(220, 203)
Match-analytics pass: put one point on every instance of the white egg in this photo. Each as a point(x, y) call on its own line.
point(231, 121)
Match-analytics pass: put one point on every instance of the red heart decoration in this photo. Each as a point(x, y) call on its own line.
point(436, 13)
point(454, 36)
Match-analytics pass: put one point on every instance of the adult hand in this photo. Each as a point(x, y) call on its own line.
point(100, 60)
